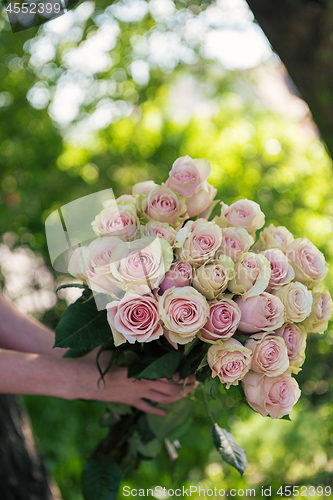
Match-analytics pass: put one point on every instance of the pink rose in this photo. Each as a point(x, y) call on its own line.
point(308, 262)
point(140, 262)
point(252, 274)
point(263, 312)
point(202, 202)
point(186, 175)
point(198, 241)
point(179, 274)
point(134, 318)
point(143, 188)
point(243, 213)
point(321, 313)
point(274, 237)
point(161, 230)
point(281, 271)
point(235, 242)
point(97, 264)
point(295, 340)
point(297, 301)
point(162, 204)
point(273, 396)
point(212, 278)
point(117, 219)
point(223, 319)
point(269, 354)
point(184, 312)
point(229, 360)
point(126, 198)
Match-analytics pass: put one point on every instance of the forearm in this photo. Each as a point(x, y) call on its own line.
point(20, 332)
point(26, 373)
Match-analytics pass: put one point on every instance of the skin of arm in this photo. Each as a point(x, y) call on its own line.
point(29, 365)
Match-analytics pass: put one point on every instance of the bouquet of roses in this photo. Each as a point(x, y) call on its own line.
point(175, 292)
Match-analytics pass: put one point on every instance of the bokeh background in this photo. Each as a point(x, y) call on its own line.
point(110, 95)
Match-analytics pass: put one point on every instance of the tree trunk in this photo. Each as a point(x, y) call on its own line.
point(301, 33)
point(22, 473)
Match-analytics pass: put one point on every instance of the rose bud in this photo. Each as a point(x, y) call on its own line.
point(76, 265)
point(117, 219)
point(252, 274)
point(273, 396)
point(186, 175)
point(140, 262)
point(162, 204)
point(211, 279)
point(97, 264)
point(230, 361)
point(184, 312)
point(198, 241)
point(297, 301)
point(134, 318)
point(274, 237)
point(127, 198)
point(281, 271)
point(143, 188)
point(261, 313)
point(321, 312)
point(179, 274)
point(189, 178)
point(235, 242)
point(223, 319)
point(295, 340)
point(242, 213)
point(308, 262)
point(161, 230)
point(269, 354)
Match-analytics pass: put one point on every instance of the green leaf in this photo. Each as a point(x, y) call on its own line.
point(100, 479)
point(70, 285)
point(150, 449)
point(177, 414)
point(82, 326)
point(286, 417)
point(229, 450)
point(76, 353)
point(119, 408)
point(162, 367)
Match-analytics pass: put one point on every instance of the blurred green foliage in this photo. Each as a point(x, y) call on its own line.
point(254, 154)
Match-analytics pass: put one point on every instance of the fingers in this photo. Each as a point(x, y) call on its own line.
point(147, 408)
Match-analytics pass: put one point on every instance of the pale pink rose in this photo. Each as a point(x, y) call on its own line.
point(235, 242)
point(295, 339)
point(281, 271)
point(184, 312)
point(140, 262)
point(321, 313)
point(297, 301)
point(212, 278)
point(161, 230)
point(274, 237)
point(127, 198)
point(134, 318)
point(162, 204)
point(273, 396)
point(244, 213)
point(97, 264)
point(223, 320)
point(186, 175)
point(143, 188)
point(179, 274)
point(261, 313)
point(76, 265)
point(308, 262)
point(252, 274)
point(269, 354)
point(117, 219)
point(202, 202)
point(198, 241)
point(230, 361)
